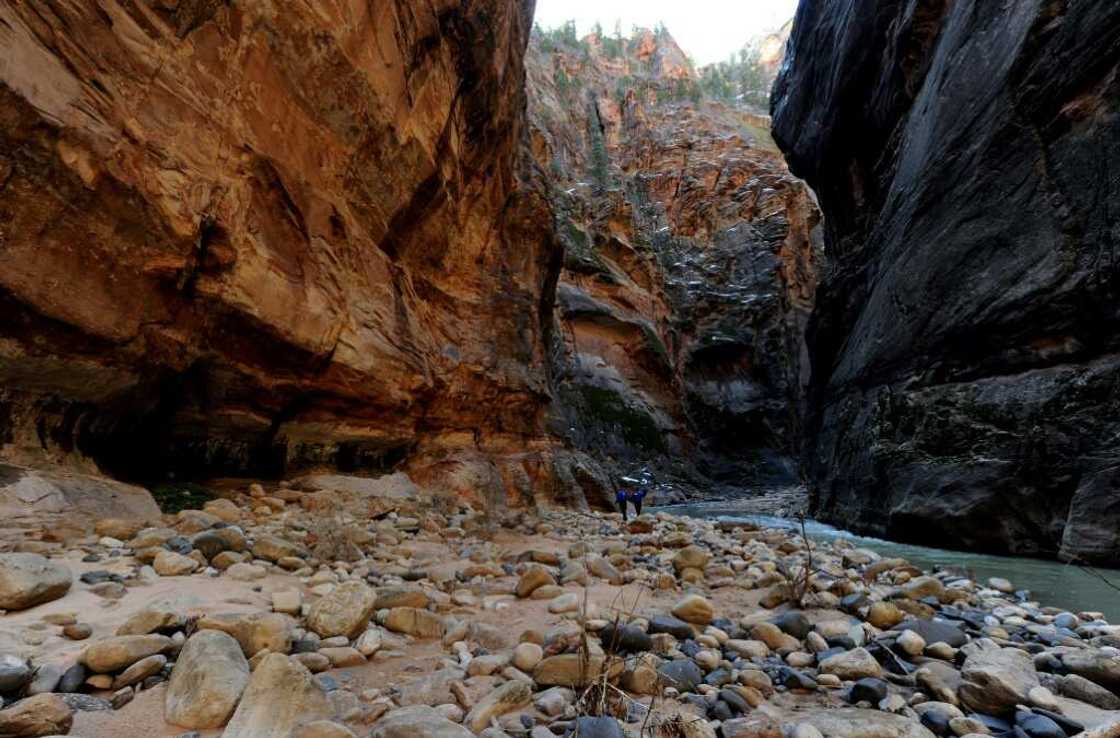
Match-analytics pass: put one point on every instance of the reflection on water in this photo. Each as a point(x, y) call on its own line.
point(1050, 582)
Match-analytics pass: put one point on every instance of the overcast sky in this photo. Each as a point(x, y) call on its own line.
point(709, 30)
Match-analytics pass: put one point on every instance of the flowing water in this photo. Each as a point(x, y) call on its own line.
point(1050, 582)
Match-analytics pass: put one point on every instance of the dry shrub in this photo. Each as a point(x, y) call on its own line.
point(332, 534)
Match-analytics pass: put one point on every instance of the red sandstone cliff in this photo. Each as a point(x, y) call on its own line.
point(247, 237)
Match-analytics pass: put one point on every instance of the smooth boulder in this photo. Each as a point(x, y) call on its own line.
point(208, 680)
point(27, 580)
point(281, 696)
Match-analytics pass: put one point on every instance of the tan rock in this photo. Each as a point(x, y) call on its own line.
point(851, 665)
point(281, 695)
point(120, 652)
point(255, 632)
point(171, 564)
point(346, 611)
point(390, 597)
point(997, 679)
point(140, 671)
point(153, 618)
point(885, 615)
point(534, 578)
point(576, 670)
point(209, 677)
point(415, 622)
point(273, 548)
point(28, 579)
point(323, 729)
point(510, 696)
point(40, 715)
point(694, 609)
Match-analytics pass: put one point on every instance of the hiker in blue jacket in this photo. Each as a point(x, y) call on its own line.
point(620, 499)
point(636, 497)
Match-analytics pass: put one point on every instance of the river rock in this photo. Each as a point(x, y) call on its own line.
point(854, 664)
point(255, 632)
point(120, 652)
point(512, 695)
point(533, 579)
point(273, 548)
point(14, 673)
point(997, 679)
point(323, 729)
point(415, 622)
point(281, 695)
point(694, 609)
point(140, 671)
point(151, 619)
point(682, 674)
point(1079, 688)
point(852, 722)
point(391, 597)
point(575, 670)
point(1095, 666)
point(207, 681)
point(346, 611)
point(171, 564)
point(934, 631)
point(40, 715)
point(602, 727)
point(417, 722)
point(691, 557)
point(526, 656)
point(885, 615)
point(28, 579)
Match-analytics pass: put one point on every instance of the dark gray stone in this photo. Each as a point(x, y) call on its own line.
point(682, 674)
point(965, 344)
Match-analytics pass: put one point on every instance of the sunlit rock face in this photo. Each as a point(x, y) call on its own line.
point(691, 259)
point(248, 237)
point(964, 347)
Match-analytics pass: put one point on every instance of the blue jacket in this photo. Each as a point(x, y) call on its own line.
point(637, 496)
point(621, 496)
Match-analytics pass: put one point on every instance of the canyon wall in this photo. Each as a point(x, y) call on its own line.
point(245, 238)
point(965, 348)
point(691, 259)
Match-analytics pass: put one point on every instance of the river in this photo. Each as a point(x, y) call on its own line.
point(1050, 582)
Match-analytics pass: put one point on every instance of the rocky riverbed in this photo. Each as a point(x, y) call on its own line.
point(315, 612)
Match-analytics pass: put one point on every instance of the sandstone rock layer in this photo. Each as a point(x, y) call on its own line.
point(247, 237)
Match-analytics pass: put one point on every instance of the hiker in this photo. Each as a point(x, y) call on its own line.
point(636, 497)
point(620, 499)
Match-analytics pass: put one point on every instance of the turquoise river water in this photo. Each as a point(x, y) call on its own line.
point(1050, 582)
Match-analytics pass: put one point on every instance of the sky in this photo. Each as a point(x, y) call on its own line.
point(709, 30)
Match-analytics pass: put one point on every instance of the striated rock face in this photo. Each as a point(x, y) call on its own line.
point(965, 347)
point(689, 270)
point(689, 264)
point(247, 237)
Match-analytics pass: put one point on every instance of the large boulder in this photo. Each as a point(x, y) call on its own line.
point(995, 680)
point(345, 611)
point(28, 579)
point(576, 670)
point(207, 681)
point(75, 502)
point(281, 695)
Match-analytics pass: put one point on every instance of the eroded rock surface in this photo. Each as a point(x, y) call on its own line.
point(964, 345)
point(690, 264)
point(240, 237)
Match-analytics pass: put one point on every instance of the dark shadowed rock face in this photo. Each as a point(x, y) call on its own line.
point(964, 349)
